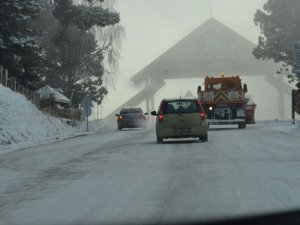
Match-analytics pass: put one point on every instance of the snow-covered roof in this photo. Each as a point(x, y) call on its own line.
point(46, 91)
point(189, 95)
point(210, 49)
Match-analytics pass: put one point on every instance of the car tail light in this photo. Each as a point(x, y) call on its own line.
point(142, 116)
point(202, 116)
point(160, 117)
point(121, 118)
point(161, 106)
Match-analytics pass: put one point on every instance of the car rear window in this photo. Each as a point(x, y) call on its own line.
point(131, 110)
point(181, 106)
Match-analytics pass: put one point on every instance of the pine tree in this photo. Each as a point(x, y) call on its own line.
point(20, 53)
point(80, 65)
point(279, 23)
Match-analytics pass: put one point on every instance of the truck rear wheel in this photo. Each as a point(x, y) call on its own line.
point(159, 140)
point(242, 125)
point(203, 138)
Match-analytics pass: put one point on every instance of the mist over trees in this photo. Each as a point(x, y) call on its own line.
point(71, 45)
point(279, 24)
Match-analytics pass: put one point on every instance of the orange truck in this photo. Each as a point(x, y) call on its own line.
point(224, 102)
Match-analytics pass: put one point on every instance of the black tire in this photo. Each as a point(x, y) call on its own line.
point(159, 140)
point(203, 138)
point(242, 125)
point(119, 128)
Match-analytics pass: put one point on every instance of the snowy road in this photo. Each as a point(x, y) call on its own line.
point(121, 177)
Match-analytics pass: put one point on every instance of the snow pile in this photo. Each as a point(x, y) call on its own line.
point(22, 123)
point(285, 127)
point(102, 125)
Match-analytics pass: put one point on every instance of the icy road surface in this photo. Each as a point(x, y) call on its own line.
point(121, 177)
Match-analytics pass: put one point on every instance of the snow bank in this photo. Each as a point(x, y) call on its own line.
point(101, 126)
point(285, 127)
point(22, 123)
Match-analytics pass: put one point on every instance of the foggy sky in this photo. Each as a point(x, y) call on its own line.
point(154, 26)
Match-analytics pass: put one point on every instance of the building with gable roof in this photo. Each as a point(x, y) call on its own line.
point(211, 49)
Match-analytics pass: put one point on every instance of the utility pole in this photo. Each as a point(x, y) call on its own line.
point(208, 3)
point(294, 94)
point(296, 70)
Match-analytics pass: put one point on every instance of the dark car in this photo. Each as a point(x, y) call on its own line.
point(131, 118)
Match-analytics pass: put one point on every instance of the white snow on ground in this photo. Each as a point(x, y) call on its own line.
point(285, 127)
point(100, 126)
point(125, 176)
point(21, 123)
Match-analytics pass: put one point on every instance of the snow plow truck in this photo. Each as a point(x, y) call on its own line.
point(224, 101)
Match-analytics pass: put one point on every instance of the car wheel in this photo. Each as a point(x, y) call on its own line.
point(159, 140)
point(119, 128)
point(203, 138)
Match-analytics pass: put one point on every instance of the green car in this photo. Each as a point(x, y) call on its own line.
point(180, 118)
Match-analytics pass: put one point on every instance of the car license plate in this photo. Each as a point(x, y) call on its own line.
point(182, 130)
